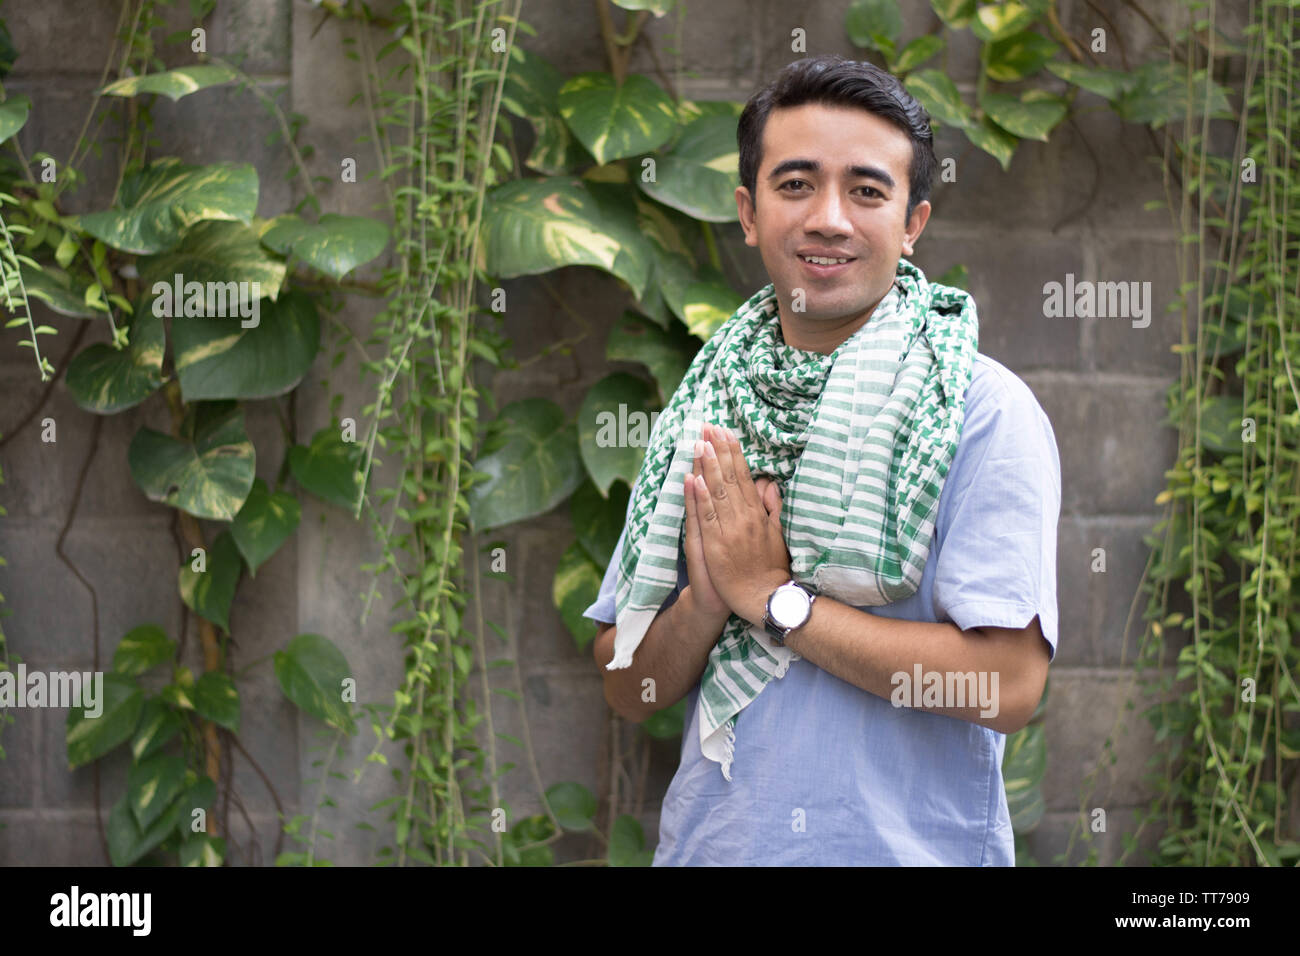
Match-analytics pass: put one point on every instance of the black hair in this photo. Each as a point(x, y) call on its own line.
point(835, 81)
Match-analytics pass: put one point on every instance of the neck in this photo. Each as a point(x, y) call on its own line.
point(824, 337)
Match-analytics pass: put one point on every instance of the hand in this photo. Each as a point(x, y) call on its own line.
point(739, 526)
point(703, 592)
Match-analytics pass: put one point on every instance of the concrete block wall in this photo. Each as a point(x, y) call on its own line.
point(1074, 205)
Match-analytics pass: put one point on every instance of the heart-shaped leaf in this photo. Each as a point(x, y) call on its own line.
point(573, 805)
point(598, 521)
point(152, 785)
point(614, 428)
point(158, 724)
point(223, 270)
point(1031, 116)
point(917, 52)
point(667, 354)
point(13, 115)
point(616, 120)
point(218, 358)
point(105, 380)
point(127, 842)
point(531, 92)
point(208, 476)
point(1108, 84)
point(994, 140)
point(329, 468)
point(90, 737)
point(311, 671)
point(141, 649)
point(698, 176)
point(336, 245)
point(536, 468)
point(1001, 20)
point(940, 97)
point(706, 305)
point(157, 204)
point(534, 226)
point(216, 699)
point(1018, 56)
point(55, 288)
point(172, 83)
point(209, 593)
point(874, 24)
point(576, 586)
point(627, 843)
point(264, 523)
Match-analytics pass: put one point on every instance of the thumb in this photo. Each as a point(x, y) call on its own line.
point(772, 501)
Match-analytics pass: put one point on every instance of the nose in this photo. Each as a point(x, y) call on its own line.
point(828, 216)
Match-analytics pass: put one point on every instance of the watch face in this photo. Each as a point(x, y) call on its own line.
point(789, 606)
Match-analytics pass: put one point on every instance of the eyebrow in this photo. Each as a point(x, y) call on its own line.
point(814, 166)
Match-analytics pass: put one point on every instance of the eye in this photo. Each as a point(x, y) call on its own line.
point(790, 182)
point(871, 190)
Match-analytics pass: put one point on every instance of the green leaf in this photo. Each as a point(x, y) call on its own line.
point(917, 52)
point(158, 724)
point(666, 723)
point(209, 476)
point(699, 175)
point(614, 426)
point(264, 523)
point(311, 671)
point(940, 97)
point(127, 842)
point(209, 593)
point(995, 141)
point(1104, 82)
point(336, 245)
point(1159, 95)
point(958, 276)
point(658, 7)
point(1016, 57)
point(1030, 116)
point(329, 468)
point(954, 13)
point(535, 226)
point(13, 115)
point(1001, 20)
point(538, 466)
point(1024, 764)
point(216, 699)
point(614, 121)
point(673, 259)
point(214, 260)
point(627, 843)
point(173, 83)
point(667, 354)
point(572, 804)
point(598, 521)
point(55, 288)
point(707, 305)
point(157, 204)
point(152, 785)
point(90, 737)
point(202, 850)
point(531, 92)
point(142, 648)
point(218, 358)
point(1221, 425)
point(575, 588)
point(105, 380)
point(874, 24)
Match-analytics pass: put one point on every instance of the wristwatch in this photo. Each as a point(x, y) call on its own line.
point(788, 607)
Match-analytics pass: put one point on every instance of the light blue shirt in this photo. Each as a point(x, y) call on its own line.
point(827, 774)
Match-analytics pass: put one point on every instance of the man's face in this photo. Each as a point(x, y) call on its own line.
point(833, 182)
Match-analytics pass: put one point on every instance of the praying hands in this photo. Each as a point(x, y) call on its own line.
point(735, 549)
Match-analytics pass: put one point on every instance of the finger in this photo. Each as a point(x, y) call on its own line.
point(720, 499)
point(772, 500)
point(694, 543)
point(735, 470)
point(705, 507)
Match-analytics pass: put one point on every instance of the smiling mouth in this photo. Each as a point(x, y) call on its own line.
point(826, 261)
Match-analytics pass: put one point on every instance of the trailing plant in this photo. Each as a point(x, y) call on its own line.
point(178, 245)
point(1222, 578)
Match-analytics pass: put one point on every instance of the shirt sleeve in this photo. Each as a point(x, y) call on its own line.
point(997, 546)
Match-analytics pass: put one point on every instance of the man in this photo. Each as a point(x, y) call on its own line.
point(869, 728)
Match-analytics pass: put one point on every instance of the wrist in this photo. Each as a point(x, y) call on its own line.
point(755, 608)
point(693, 609)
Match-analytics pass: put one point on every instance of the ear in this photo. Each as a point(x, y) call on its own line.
point(915, 226)
point(745, 209)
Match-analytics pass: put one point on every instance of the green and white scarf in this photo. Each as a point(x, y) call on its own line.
point(859, 443)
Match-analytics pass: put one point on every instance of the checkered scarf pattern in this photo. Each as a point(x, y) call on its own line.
point(858, 441)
